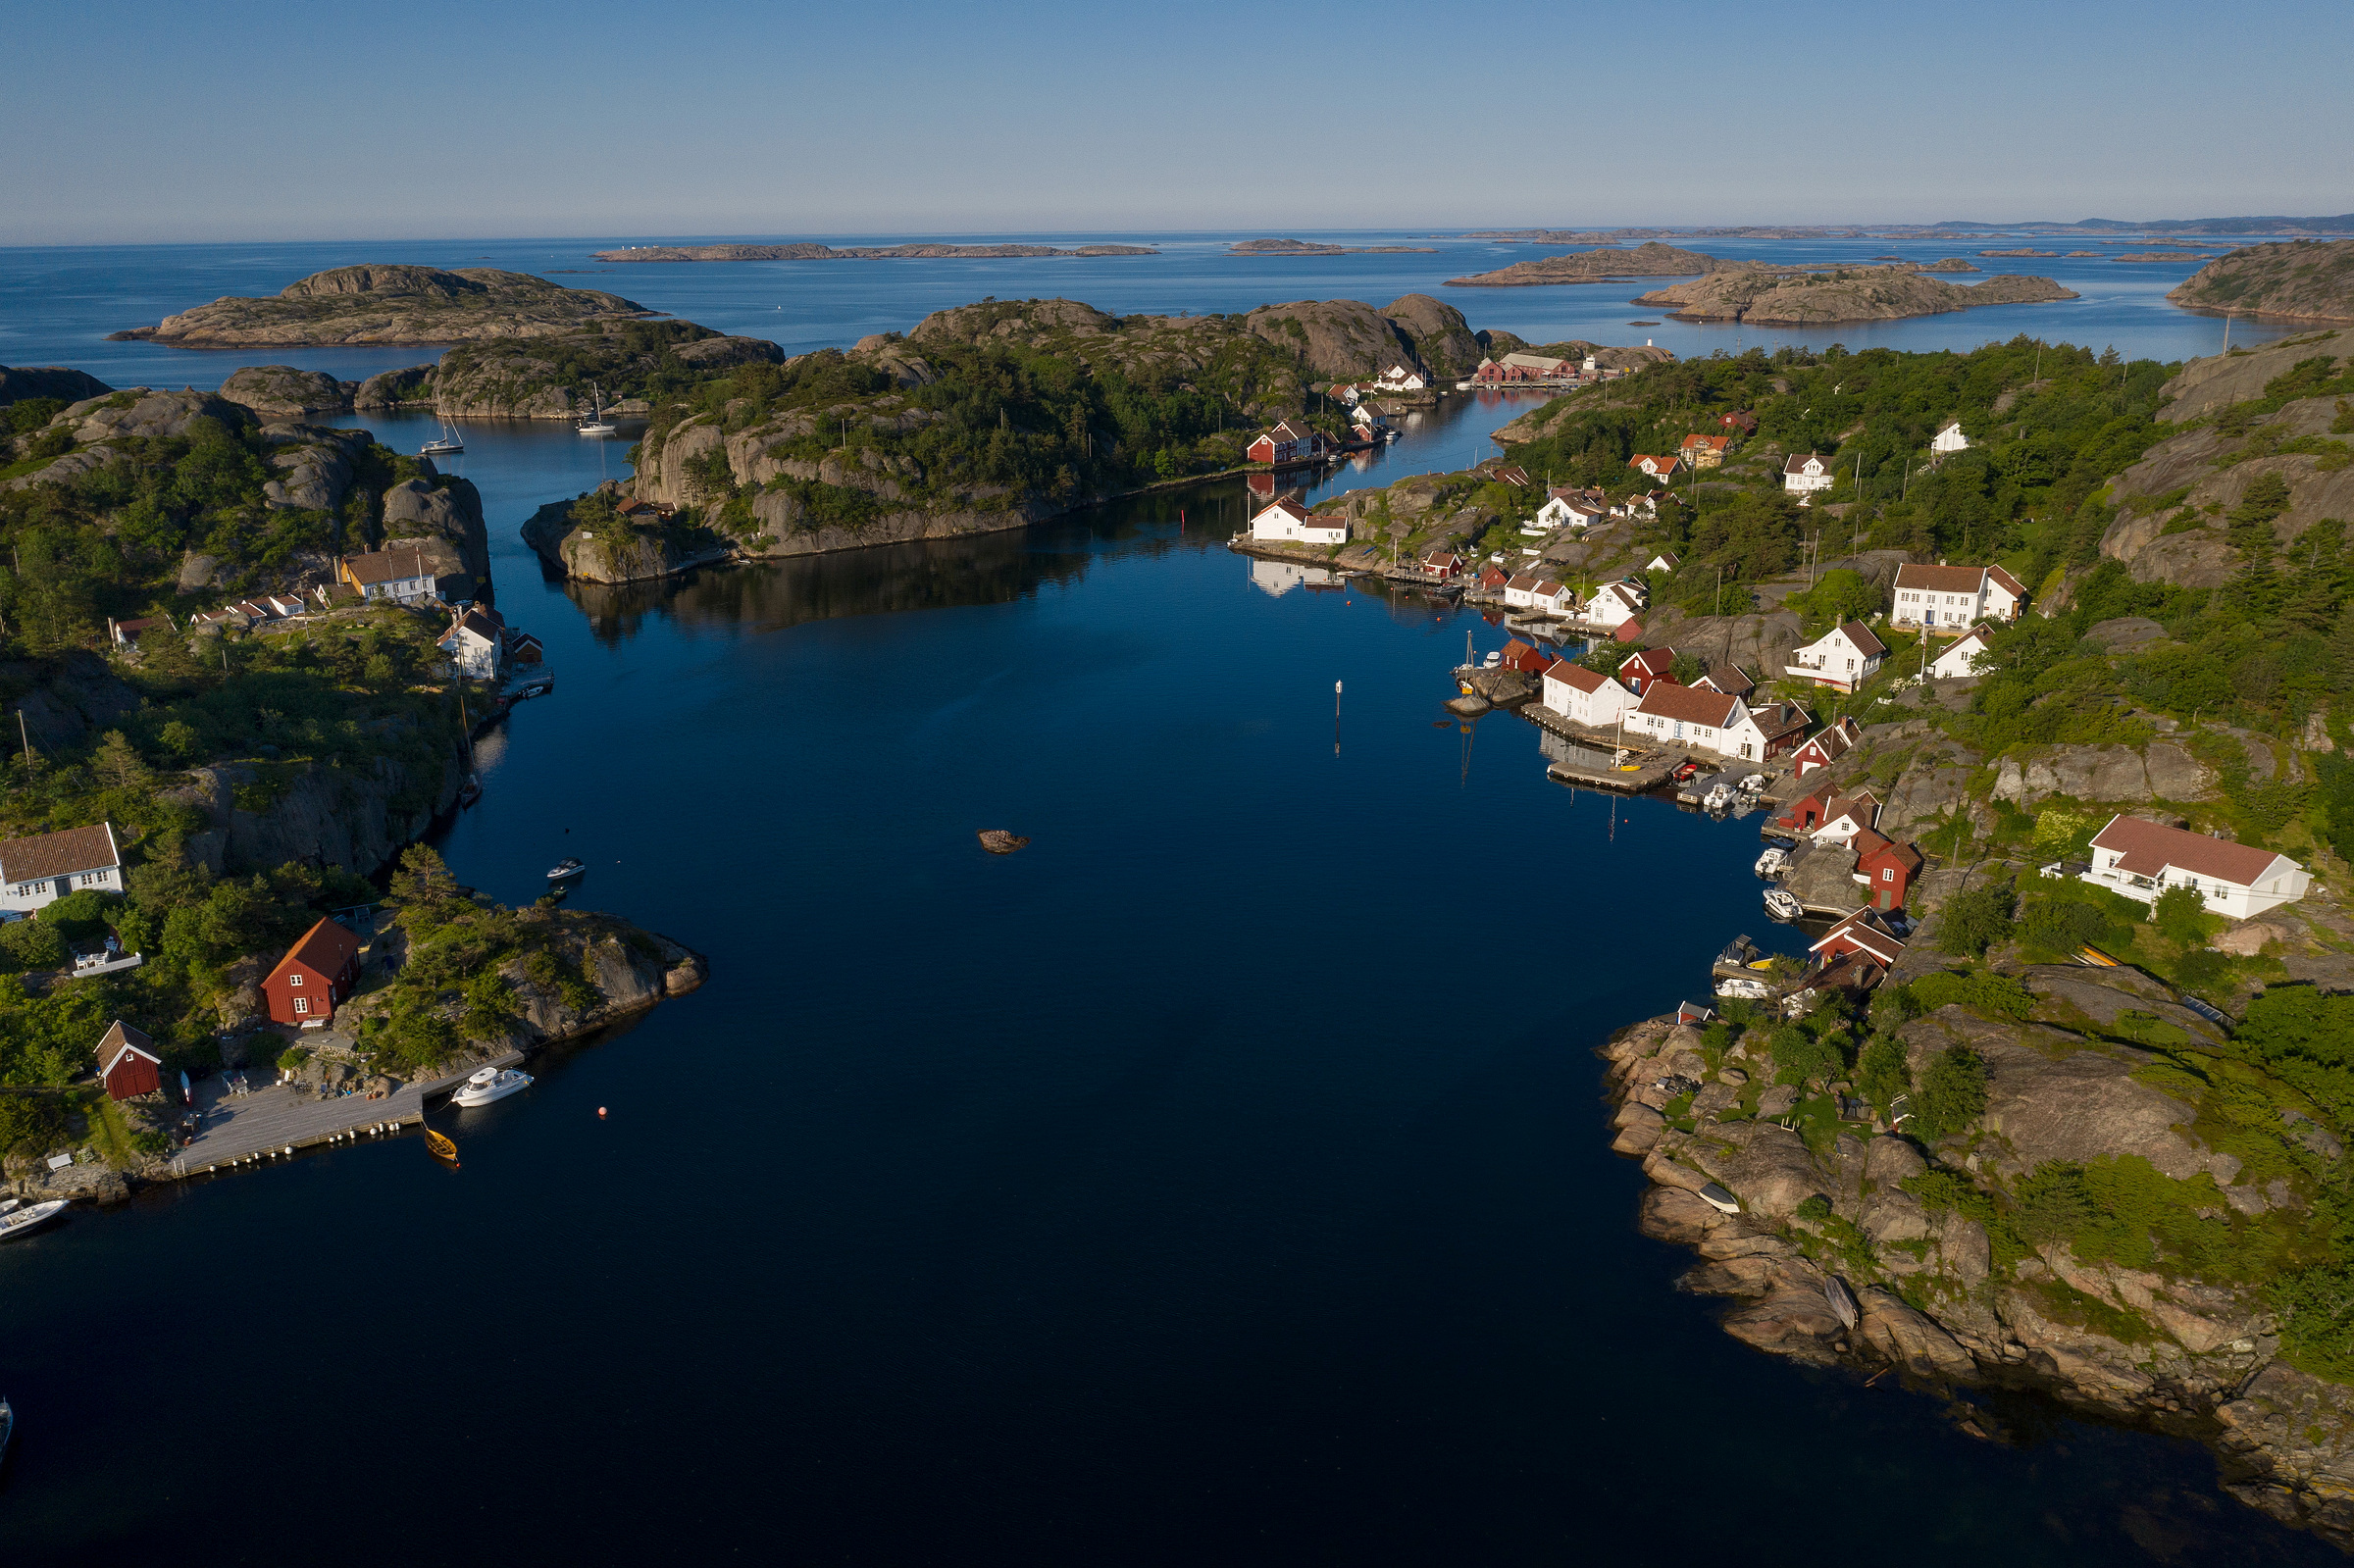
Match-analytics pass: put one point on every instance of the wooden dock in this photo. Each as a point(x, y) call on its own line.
point(273, 1123)
point(1650, 768)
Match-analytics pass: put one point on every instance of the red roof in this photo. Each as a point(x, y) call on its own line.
point(1518, 655)
point(1942, 579)
point(2150, 848)
point(1864, 929)
point(1651, 661)
point(1712, 444)
point(1860, 634)
point(2017, 591)
point(1288, 507)
point(324, 949)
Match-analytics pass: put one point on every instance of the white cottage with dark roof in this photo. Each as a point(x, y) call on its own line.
point(46, 867)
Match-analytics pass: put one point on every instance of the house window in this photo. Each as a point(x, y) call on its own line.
point(302, 1004)
point(295, 980)
point(1888, 874)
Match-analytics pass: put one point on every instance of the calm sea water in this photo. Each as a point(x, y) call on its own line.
point(1222, 1177)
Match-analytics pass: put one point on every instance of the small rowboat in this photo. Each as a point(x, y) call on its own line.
point(441, 1147)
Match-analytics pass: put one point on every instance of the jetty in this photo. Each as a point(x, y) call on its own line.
point(1586, 758)
point(274, 1122)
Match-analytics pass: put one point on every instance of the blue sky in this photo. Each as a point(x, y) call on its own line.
point(160, 123)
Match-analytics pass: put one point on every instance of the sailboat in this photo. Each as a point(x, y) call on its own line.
point(448, 443)
point(595, 423)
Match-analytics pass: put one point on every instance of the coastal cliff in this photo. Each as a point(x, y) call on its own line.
point(391, 305)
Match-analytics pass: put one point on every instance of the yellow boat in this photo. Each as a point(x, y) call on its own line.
point(439, 1147)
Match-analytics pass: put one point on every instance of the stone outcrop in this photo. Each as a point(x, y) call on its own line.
point(281, 391)
point(317, 465)
point(68, 702)
point(394, 388)
point(443, 511)
point(393, 304)
point(1347, 340)
point(2163, 769)
point(355, 817)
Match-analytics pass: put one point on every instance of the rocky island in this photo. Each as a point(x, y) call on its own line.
point(393, 305)
point(1787, 297)
point(2300, 279)
point(982, 418)
point(1302, 247)
point(1650, 259)
point(815, 252)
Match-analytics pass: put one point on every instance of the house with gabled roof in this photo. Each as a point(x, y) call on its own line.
point(1493, 578)
point(2142, 859)
point(1658, 466)
point(1445, 566)
point(1286, 445)
point(1960, 660)
point(1885, 867)
point(316, 976)
point(1573, 508)
point(1512, 474)
point(44, 867)
point(1664, 561)
point(1401, 378)
point(1554, 598)
point(1802, 476)
point(128, 1063)
point(402, 574)
point(1614, 604)
point(1584, 696)
point(476, 643)
point(1525, 657)
point(1729, 678)
point(1520, 590)
point(1842, 658)
point(1827, 746)
point(1953, 595)
point(1780, 726)
point(1691, 717)
point(1703, 451)
point(1949, 439)
point(1286, 521)
point(1638, 671)
point(1856, 953)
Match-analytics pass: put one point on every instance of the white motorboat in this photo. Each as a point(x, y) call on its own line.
point(1754, 784)
point(1718, 799)
point(565, 869)
point(1774, 862)
point(1740, 988)
point(1781, 906)
point(491, 1084)
point(17, 1222)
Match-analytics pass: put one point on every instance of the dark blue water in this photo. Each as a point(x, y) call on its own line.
point(1222, 1177)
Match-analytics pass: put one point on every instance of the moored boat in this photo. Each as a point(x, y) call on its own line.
point(565, 868)
point(491, 1084)
point(1717, 1198)
point(1842, 1301)
point(18, 1221)
point(1742, 989)
point(1774, 862)
point(1781, 906)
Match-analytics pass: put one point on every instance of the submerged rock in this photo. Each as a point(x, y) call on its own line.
point(997, 841)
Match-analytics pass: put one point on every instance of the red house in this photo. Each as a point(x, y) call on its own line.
point(127, 1062)
point(1444, 565)
point(317, 973)
point(1493, 579)
point(1861, 944)
point(1885, 867)
point(1287, 444)
point(1518, 655)
point(1648, 669)
point(1826, 748)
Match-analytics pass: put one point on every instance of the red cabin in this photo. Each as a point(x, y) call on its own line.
point(1885, 867)
point(317, 973)
point(1642, 670)
point(128, 1063)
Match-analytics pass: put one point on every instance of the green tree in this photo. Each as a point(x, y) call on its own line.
point(2181, 915)
point(1976, 919)
point(1953, 1092)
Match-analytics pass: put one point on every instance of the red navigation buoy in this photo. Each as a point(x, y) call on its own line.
point(600, 1113)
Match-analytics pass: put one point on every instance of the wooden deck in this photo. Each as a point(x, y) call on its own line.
point(274, 1122)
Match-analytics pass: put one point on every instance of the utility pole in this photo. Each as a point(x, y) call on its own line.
point(27, 738)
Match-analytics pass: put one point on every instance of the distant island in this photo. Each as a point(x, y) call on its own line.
point(814, 252)
point(2022, 252)
point(1788, 297)
point(2154, 255)
point(1302, 247)
point(393, 305)
point(1648, 260)
point(2343, 224)
point(2307, 280)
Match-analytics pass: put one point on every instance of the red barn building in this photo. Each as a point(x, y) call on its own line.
point(1287, 444)
point(1642, 670)
point(317, 973)
point(1885, 867)
point(128, 1063)
point(1521, 656)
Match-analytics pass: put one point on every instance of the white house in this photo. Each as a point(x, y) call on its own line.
point(1846, 816)
point(1961, 661)
point(1949, 439)
point(1664, 561)
point(1573, 508)
point(2142, 859)
point(1694, 716)
point(1953, 595)
point(1614, 604)
point(1801, 477)
point(1582, 696)
point(1655, 464)
point(1288, 522)
point(1556, 598)
point(1520, 593)
point(476, 643)
point(1842, 658)
point(399, 574)
point(1399, 378)
point(47, 866)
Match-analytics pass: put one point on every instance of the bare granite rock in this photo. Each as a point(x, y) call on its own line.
point(281, 391)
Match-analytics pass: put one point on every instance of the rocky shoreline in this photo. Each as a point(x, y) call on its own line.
point(1821, 1219)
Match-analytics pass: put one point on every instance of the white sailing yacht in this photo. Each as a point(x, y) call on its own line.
point(595, 423)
